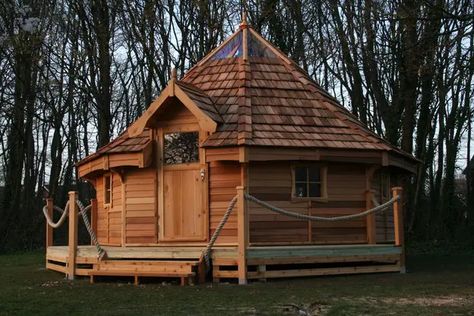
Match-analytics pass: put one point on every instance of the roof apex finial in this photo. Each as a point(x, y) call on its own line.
point(174, 74)
point(243, 23)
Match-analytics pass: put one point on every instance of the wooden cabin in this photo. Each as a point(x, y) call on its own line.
point(245, 120)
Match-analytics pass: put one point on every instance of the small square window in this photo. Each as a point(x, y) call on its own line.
point(308, 182)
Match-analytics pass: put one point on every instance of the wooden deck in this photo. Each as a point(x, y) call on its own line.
point(262, 262)
point(309, 260)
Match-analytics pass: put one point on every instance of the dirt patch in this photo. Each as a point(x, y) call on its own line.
point(452, 300)
point(435, 301)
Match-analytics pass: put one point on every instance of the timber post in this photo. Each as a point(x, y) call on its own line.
point(370, 219)
point(94, 217)
point(72, 241)
point(398, 225)
point(242, 235)
point(49, 229)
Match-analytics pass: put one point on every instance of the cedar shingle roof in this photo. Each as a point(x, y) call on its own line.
point(260, 97)
point(270, 101)
point(122, 144)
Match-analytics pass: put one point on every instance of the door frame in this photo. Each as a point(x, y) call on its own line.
point(160, 132)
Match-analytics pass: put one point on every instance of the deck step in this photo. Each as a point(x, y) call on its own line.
point(163, 268)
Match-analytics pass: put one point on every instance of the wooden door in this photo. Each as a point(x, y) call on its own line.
point(184, 215)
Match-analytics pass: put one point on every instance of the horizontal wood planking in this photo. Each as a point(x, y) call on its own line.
point(224, 177)
point(221, 154)
point(271, 182)
point(323, 271)
point(140, 203)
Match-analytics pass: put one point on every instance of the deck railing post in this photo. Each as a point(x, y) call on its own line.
point(370, 219)
point(93, 217)
point(242, 232)
point(72, 243)
point(398, 225)
point(49, 229)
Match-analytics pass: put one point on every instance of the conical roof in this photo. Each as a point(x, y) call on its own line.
point(265, 99)
point(255, 95)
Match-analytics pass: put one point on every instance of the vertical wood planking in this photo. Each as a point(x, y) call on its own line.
point(72, 241)
point(242, 231)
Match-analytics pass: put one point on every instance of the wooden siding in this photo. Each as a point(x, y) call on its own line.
point(271, 182)
point(224, 177)
point(109, 217)
point(141, 205)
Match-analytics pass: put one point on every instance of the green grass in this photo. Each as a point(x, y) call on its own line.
point(434, 285)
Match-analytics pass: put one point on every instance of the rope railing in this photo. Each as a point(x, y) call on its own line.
point(378, 207)
point(60, 221)
point(217, 232)
point(101, 253)
point(275, 209)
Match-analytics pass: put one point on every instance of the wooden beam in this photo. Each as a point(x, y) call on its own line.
point(398, 225)
point(49, 229)
point(242, 232)
point(72, 243)
point(370, 219)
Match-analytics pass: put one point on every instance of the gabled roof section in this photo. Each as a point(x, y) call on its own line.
point(137, 138)
point(193, 98)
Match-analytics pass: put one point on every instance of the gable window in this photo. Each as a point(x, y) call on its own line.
point(181, 147)
point(107, 189)
point(309, 182)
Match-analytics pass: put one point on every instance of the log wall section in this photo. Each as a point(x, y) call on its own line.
point(272, 181)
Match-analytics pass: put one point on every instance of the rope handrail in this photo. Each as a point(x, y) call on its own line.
point(216, 233)
point(101, 253)
point(64, 212)
point(275, 209)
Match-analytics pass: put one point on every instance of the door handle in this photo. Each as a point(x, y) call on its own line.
point(203, 174)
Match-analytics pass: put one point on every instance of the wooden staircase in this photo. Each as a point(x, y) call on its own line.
point(186, 270)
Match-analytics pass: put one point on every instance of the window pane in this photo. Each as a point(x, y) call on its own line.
point(314, 174)
point(300, 190)
point(301, 174)
point(314, 190)
point(107, 187)
point(232, 49)
point(181, 148)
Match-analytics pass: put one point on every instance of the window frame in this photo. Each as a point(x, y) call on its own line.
point(104, 179)
point(323, 182)
point(173, 131)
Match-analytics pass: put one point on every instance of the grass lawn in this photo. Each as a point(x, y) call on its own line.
point(434, 285)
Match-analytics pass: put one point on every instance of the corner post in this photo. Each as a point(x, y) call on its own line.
point(94, 217)
point(398, 225)
point(370, 219)
point(49, 229)
point(242, 235)
point(72, 244)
